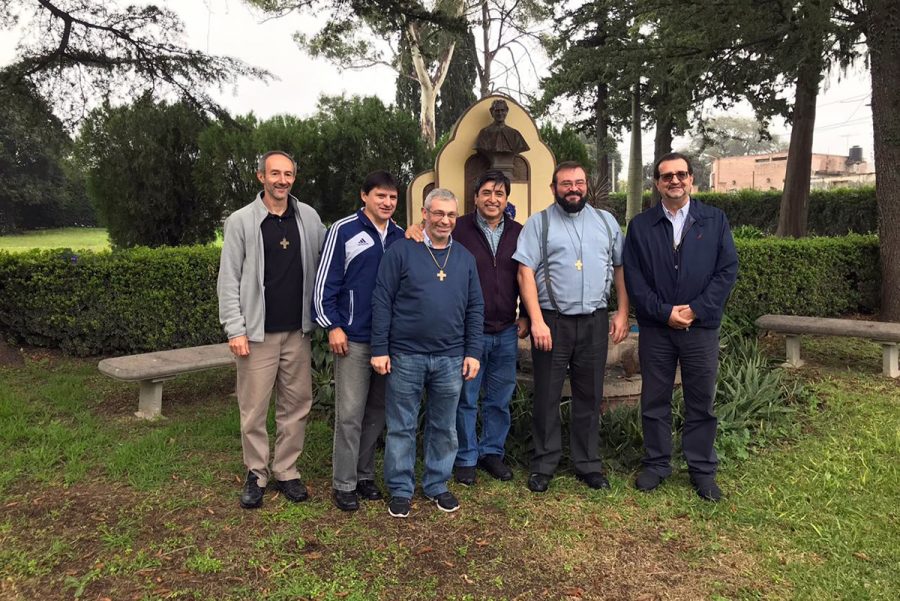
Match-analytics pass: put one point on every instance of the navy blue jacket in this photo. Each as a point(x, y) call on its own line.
point(415, 312)
point(351, 254)
point(700, 273)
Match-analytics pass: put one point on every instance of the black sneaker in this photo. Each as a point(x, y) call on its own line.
point(293, 490)
point(345, 500)
point(252, 493)
point(493, 464)
point(445, 502)
point(368, 490)
point(399, 507)
point(464, 474)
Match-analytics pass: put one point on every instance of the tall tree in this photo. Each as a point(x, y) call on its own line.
point(882, 28)
point(140, 160)
point(77, 53)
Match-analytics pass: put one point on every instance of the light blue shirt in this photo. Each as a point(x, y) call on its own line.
point(677, 219)
point(573, 236)
point(493, 235)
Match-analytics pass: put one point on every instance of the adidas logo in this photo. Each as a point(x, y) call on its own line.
point(362, 242)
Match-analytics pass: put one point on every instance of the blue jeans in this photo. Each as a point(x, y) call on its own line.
point(441, 378)
point(498, 378)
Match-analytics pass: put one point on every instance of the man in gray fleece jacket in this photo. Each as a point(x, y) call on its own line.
point(266, 275)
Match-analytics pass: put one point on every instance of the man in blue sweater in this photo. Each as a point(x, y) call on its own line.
point(427, 319)
point(680, 267)
point(342, 304)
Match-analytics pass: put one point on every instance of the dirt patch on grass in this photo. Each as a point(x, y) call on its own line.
point(110, 541)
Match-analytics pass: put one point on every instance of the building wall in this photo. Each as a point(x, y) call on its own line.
point(767, 171)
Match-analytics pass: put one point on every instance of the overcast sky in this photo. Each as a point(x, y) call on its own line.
point(229, 27)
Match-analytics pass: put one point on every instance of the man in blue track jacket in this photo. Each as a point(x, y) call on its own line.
point(680, 266)
point(342, 304)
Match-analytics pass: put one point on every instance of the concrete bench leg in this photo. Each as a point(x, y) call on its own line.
point(793, 352)
point(150, 400)
point(890, 357)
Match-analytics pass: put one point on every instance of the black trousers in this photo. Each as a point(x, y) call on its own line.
point(579, 344)
point(661, 350)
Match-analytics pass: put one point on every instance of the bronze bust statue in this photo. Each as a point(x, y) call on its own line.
point(498, 137)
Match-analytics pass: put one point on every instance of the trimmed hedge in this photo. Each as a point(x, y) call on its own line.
point(831, 212)
point(150, 299)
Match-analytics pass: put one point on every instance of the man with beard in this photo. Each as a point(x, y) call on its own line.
point(266, 273)
point(680, 267)
point(569, 257)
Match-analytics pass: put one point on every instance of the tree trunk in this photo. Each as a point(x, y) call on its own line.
point(883, 38)
point(635, 163)
point(487, 56)
point(662, 142)
point(601, 115)
point(792, 217)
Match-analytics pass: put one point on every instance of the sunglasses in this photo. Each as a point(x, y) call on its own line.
point(668, 177)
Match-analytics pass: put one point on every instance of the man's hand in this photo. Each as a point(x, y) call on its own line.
point(381, 364)
point(687, 312)
point(618, 327)
point(471, 365)
point(416, 232)
point(337, 340)
point(678, 320)
point(523, 327)
point(239, 346)
point(540, 336)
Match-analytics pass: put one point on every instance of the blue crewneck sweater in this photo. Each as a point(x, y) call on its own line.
point(414, 312)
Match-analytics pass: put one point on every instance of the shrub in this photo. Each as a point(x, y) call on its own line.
point(831, 212)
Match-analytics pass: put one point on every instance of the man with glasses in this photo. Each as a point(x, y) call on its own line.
point(569, 256)
point(427, 322)
point(680, 267)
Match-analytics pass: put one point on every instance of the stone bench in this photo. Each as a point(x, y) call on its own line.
point(152, 369)
point(886, 334)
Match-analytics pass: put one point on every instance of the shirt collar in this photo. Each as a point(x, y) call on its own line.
point(683, 211)
point(429, 244)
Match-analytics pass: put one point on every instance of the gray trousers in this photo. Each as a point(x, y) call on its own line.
point(358, 416)
point(661, 350)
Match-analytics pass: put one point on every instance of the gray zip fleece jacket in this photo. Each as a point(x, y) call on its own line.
point(242, 305)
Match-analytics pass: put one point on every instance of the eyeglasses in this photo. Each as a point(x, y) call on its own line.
point(439, 215)
point(565, 185)
point(668, 177)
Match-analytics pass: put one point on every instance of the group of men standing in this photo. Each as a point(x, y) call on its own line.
point(440, 311)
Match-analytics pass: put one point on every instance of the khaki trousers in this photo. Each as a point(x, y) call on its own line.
point(281, 361)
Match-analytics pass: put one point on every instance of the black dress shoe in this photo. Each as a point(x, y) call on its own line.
point(706, 488)
point(293, 490)
point(464, 474)
point(368, 491)
point(493, 464)
point(252, 493)
point(538, 482)
point(647, 481)
point(345, 500)
point(595, 480)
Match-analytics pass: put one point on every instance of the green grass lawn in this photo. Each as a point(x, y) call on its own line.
point(96, 504)
point(76, 238)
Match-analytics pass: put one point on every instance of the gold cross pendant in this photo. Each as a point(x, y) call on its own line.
point(441, 275)
point(579, 264)
point(284, 244)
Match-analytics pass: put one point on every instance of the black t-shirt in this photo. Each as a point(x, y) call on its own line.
point(283, 275)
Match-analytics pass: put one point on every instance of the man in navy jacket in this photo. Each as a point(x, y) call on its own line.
point(680, 266)
point(342, 304)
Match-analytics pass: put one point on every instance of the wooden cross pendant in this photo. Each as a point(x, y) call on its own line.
point(284, 244)
point(441, 275)
point(579, 264)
